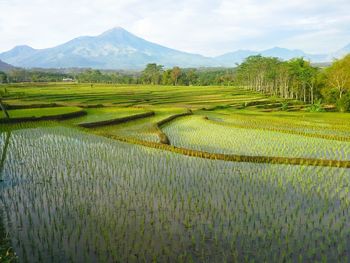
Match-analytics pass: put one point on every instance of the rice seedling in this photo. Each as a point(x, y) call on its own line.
point(145, 129)
point(105, 113)
point(41, 113)
point(127, 95)
point(194, 132)
point(82, 197)
point(213, 192)
point(324, 125)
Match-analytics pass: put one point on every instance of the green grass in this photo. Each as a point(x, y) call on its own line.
point(325, 123)
point(106, 113)
point(127, 95)
point(111, 201)
point(304, 118)
point(40, 112)
point(195, 132)
point(143, 129)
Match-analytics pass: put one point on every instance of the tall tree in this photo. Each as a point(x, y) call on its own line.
point(313, 81)
point(166, 77)
point(338, 75)
point(175, 74)
point(302, 74)
point(192, 77)
point(152, 74)
point(3, 77)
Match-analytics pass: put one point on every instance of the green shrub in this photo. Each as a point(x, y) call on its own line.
point(330, 95)
point(284, 106)
point(316, 107)
point(343, 104)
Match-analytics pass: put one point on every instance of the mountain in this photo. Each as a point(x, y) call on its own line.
point(341, 52)
point(282, 53)
point(5, 67)
point(120, 49)
point(230, 58)
point(113, 49)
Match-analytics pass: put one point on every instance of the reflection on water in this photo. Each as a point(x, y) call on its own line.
point(81, 198)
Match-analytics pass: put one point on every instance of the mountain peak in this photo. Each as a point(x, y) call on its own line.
point(23, 47)
point(282, 49)
point(277, 48)
point(117, 28)
point(20, 51)
point(114, 31)
point(117, 48)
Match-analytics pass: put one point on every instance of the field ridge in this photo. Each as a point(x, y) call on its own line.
point(116, 120)
point(163, 138)
point(235, 157)
point(62, 116)
point(312, 135)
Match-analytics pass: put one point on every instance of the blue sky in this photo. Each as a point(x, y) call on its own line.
point(208, 27)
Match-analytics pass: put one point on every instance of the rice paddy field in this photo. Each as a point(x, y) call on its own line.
point(119, 192)
point(105, 113)
point(200, 134)
point(39, 112)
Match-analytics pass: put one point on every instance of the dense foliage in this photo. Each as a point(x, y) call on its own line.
point(156, 74)
point(293, 79)
point(23, 75)
point(298, 79)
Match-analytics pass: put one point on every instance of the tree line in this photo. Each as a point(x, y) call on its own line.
point(155, 74)
point(294, 79)
point(24, 75)
point(297, 79)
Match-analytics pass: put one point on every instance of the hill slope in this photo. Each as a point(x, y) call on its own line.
point(282, 53)
point(114, 49)
point(120, 49)
point(5, 67)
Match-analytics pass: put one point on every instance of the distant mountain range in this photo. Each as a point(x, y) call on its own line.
point(119, 49)
point(5, 67)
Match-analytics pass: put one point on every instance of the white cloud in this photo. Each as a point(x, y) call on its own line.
point(208, 27)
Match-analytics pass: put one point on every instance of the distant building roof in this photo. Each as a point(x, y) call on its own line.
point(67, 79)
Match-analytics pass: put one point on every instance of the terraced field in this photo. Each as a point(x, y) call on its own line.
point(327, 125)
point(114, 95)
point(106, 113)
point(143, 129)
point(155, 189)
point(107, 200)
point(197, 133)
point(39, 112)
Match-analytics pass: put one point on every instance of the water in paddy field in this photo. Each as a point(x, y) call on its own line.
point(70, 196)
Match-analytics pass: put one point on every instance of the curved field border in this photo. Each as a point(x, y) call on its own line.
point(31, 106)
point(117, 120)
point(232, 157)
point(163, 138)
point(283, 122)
point(312, 135)
point(63, 116)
